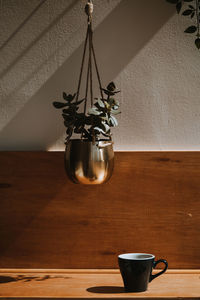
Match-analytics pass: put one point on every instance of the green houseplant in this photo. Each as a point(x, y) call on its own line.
point(97, 122)
point(90, 158)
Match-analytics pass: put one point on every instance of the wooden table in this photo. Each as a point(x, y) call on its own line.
point(79, 284)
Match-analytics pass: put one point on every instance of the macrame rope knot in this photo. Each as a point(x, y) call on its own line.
point(89, 9)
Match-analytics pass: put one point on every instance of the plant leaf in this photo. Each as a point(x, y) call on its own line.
point(111, 86)
point(69, 97)
point(113, 121)
point(105, 118)
point(191, 29)
point(59, 104)
point(69, 130)
point(197, 43)
point(115, 111)
point(113, 103)
point(66, 117)
point(192, 15)
point(187, 12)
point(101, 103)
point(106, 126)
point(86, 134)
point(71, 110)
point(178, 7)
point(101, 109)
point(99, 130)
point(65, 96)
point(93, 111)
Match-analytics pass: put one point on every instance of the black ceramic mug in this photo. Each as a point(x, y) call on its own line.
point(136, 270)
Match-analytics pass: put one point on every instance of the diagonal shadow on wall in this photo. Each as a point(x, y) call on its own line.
point(118, 39)
point(23, 53)
point(13, 34)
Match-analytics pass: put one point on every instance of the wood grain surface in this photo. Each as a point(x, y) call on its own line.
point(46, 284)
point(151, 204)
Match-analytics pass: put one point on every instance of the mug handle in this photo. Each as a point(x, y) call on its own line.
point(161, 272)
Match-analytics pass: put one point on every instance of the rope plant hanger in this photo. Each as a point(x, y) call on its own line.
point(89, 159)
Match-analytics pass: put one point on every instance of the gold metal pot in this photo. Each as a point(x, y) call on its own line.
point(89, 163)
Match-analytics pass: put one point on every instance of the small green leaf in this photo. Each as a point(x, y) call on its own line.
point(112, 101)
point(192, 15)
point(115, 111)
point(68, 97)
point(187, 12)
point(59, 104)
point(65, 116)
point(99, 108)
point(65, 96)
point(191, 29)
point(71, 110)
point(197, 43)
point(99, 130)
point(111, 86)
point(105, 117)
point(93, 111)
point(107, 127)
point(191, 6)
point(178, 7)
point(113, 121)
point(104, 126)
point(69, 130)
point(101, 103)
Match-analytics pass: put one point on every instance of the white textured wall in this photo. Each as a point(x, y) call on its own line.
point(139, 44)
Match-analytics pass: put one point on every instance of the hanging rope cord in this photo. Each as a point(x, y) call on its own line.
point(89, 79)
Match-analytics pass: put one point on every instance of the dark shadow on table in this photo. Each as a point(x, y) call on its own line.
point(25, 278)
point(106, 289)
point(5, 279)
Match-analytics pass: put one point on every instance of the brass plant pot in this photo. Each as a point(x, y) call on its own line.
point(89, 163)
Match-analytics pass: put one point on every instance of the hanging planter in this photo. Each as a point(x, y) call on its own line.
point(89, 163)
point(89, 159)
